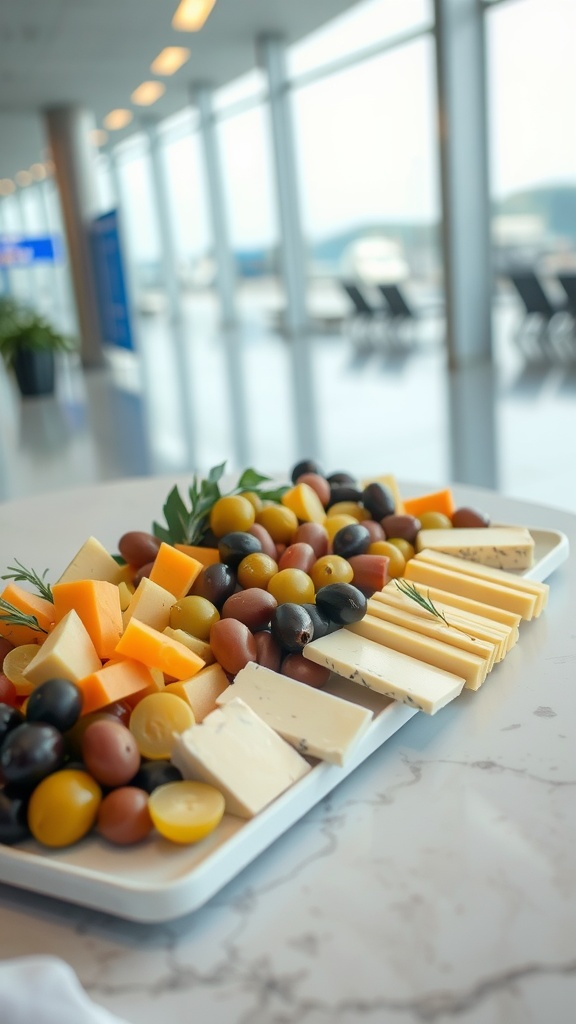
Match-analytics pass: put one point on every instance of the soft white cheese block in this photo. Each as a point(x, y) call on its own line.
point(395, 675)
point(503, 547)
point(235, 751)
point(316, 723)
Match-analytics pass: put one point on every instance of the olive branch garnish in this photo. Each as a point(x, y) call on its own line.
point(21, 574)
point(14, 617)
point(425, 601)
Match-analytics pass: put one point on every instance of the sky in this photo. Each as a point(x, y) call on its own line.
point(365, 136)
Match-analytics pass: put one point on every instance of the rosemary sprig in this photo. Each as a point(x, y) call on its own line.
point(188, 525)
point(425, 601)
point(21, 574)
point(14, 617)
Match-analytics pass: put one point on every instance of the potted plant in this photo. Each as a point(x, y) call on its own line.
point(27, 344)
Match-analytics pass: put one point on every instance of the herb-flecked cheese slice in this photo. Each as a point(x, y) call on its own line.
point(502, 547)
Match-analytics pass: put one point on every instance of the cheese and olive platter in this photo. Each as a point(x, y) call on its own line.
point(171, 706)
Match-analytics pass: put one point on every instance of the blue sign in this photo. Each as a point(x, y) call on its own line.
point(110, 281)
point(19, 251)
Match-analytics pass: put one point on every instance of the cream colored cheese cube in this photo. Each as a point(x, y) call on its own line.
point(67, 653)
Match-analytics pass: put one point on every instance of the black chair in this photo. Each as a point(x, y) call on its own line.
point(366, 322)
point(568, 282)
point(534, 336)
point(400, 313)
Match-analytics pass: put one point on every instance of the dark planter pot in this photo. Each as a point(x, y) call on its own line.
point(34, 371)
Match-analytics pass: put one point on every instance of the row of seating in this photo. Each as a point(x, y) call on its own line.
point(390, 324)
point(548, 328)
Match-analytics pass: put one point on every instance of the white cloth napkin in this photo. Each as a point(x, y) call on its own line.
point(45, 990)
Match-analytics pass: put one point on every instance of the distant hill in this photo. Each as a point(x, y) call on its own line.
point(555, 204)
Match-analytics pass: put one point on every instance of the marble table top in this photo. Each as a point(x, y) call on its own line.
point(437, 883)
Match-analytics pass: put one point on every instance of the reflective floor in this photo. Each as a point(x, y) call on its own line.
point(195, 397)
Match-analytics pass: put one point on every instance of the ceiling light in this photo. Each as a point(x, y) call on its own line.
point(191, 15)
point(117, 119)
point(98, 137)
point(169, 60)
point(23, 178)
point(38, 172)
point(147, 93)
point(6, 187)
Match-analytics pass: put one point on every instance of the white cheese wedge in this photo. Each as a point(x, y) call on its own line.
point(503, 547)
point(316, 723)
point(502, 636)
point(150, 603)
point(464, 585)
point(485, 572)
point(395, 675)
point(234, 750)
point(93, 562)
point(437, 653)
point(67, 653)
point(436, 628)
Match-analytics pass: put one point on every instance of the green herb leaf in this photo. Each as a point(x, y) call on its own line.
point(21, 574)
point(425, 601)
point(188, 526)
point(14, 617)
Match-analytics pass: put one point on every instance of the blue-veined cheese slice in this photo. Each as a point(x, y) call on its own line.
point(316, 723)
point(395, 675)
point(503, 547)
point(471, 667)
point(235, 751)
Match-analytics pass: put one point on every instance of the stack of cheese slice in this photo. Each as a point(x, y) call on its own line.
point(424, 659)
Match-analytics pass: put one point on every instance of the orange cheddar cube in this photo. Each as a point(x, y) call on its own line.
point(201, 691)
point(156, 650)
point(174, 570)
point(116, 680)
point(208, 556)
point(435, 501)
point(29, 604)
point(98, 605)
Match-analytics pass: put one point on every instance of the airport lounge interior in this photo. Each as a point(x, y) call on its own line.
point(287, 404)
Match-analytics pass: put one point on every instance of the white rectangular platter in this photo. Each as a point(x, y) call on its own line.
point(159, 881)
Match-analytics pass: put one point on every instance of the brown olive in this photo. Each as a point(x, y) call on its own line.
point(137, 548)
point(110, 752)
point(232, 644)
point(467, 517)
point(298, 667)
point(253, 607)
point(123, 816)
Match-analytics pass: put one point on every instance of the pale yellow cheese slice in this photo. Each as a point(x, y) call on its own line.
point(485, 572)
point(470, 667)
point(469, 586)
point(395, 675)
point(93, 562)
point(504, 636)
point(436, 628)
point(503, 547)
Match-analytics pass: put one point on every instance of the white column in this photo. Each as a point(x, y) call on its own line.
point(461, 73)
point(225, 275)
point(73, 155)
point(272, 56)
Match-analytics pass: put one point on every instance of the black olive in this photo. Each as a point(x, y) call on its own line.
point(13, 818)
point(321, 623)
point(306, 466)
point(379, 500)
point(351, 540)
point(292, 627)
point(152, 774)
point(342, 478)
point(9, 718)
point(57, 702)
point(30, 752)
point(343, 492)
point(216, 583)
point(341, 602)
point(233, 547)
